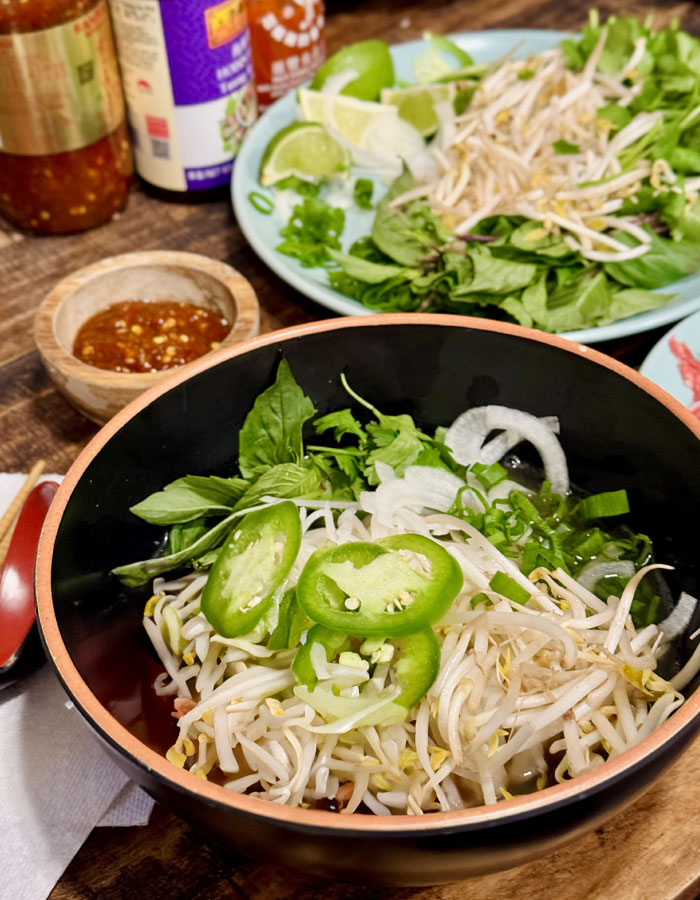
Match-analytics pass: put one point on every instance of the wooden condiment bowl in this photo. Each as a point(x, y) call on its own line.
point(149, 275)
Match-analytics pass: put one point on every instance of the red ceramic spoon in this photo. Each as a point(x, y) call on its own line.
point(17, 579)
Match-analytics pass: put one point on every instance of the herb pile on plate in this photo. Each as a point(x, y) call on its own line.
point(559, 191)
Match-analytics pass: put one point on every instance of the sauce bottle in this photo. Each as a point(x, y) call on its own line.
point(288, 44)
point(65, 160)
point(188, 80)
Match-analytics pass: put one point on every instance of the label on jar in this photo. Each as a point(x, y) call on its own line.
point(187, 75)
point(288, 44)
point(59, 87)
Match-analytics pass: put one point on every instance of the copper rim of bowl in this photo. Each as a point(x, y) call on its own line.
point(245, 326)
point(119, 737)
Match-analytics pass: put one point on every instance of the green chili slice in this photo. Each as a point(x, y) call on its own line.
point(415, 660)
point(254, 561)
point(393, 587)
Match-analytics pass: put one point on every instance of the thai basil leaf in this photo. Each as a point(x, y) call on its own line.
point(409, 235)
point(284, 481)
point(492, 275)
point(632, 301)
point(135, 574)
point(664, 262)
point(182, 536)
point(271, 433)
point(189, 498)
point(364, 270)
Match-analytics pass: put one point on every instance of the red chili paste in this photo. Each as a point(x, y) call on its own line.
point(149, 335)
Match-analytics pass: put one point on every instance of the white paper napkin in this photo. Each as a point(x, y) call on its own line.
point(56, 781)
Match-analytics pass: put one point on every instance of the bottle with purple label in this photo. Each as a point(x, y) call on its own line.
point(188, 81)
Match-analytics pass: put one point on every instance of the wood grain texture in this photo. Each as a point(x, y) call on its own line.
point(649, 852)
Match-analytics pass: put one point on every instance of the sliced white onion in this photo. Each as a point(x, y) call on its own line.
point(422, 487)
point(688, 672)
point(591, 573)
point(393, 140)
point(618, 623)
point(466, 436)
point(677, 621)
point(334, 84)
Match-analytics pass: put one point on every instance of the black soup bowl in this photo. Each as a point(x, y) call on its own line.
point(618, 430)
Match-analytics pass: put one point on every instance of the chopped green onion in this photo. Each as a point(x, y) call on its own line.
point(362, 193)
point(491, 475)
point(302, 187)
point(503, 584)
point(526, 74)
point(563, 147)
point(591, 544)
point(608, 503)
point(262, 203)
point(478, 599)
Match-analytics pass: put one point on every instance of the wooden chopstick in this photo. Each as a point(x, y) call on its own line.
point(8, 521)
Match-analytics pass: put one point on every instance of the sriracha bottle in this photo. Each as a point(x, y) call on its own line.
point(287, 44)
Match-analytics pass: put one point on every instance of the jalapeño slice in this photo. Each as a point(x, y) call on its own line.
point(395, 586)
point(254, 561)
point(416, 661)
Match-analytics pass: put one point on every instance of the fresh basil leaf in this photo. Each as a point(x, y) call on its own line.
point(272, 431)
point(364, 270)
point(666, 261)
point(578, 304)
point(685, 160)
point(190, 498)
point(632, 301)
point(529, 239)
point(492, 275)
point(227, 490)
point(182, 536)
point(286, 480)
point(684, 225)
point(408, 235)
point(135, 574)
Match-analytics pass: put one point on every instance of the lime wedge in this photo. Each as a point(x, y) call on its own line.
point(350, 117)
point(371, 61)
point(304, 149)
point(417, 104)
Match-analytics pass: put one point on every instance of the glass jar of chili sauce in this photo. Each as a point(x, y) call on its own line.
point(65, 159)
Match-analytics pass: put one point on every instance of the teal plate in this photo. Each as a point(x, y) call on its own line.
point(679, 372)
point(262, 231)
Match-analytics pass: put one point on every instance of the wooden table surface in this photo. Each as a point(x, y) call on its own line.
point(649, 852)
